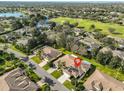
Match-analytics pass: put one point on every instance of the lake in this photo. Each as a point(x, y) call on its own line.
point(10, 14)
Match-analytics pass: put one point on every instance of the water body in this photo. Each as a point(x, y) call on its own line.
point(10, 14)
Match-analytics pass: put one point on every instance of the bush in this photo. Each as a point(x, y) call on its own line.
point(30, 73)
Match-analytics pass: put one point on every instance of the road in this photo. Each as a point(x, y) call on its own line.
point(46, 77)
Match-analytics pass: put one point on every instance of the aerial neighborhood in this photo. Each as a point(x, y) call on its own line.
point(61, 47)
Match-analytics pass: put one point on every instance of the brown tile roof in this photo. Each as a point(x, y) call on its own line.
point(15, 80)
point(50, 52)
point(101, 81)
point(69, 62)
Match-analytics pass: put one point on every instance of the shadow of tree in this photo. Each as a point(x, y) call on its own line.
point(49, 81)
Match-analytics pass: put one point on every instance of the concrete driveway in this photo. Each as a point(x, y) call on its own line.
point(63, 78)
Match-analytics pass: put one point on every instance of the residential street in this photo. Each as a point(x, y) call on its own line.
point(46, 77)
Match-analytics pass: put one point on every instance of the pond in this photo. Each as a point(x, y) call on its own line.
point(10, 14)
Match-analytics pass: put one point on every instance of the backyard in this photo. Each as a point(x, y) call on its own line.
point(112, 72)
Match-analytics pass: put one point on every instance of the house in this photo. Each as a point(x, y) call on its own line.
point(100, 81)
point(49, 53)
point(16, 80)
point(90, 42)
point(69, 66)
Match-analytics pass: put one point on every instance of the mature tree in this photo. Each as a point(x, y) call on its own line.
point(115, 62)
point(1, 60)
point(122, 67)
point(35, 32)
point(104, 58)
point(31, 43)
point(80, 87)
point(74, 80)
point(17, 24)
point(33, 22)
point(12, 56)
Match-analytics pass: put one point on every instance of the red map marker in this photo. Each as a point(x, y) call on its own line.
point(77, 62)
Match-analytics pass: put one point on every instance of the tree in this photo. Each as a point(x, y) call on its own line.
point(92, 26)
point(12, 56)
point(1, 60)
point(122, 67)
point(39, 53)
point(46, 87)
point(35, 32)
point(50, 64)
point(74, 81)
point(33, 22)
point(104, 58)
point(31, 43)
point(115, 62)
point(80, 87)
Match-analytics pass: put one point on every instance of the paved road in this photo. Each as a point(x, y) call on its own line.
point(56, 85)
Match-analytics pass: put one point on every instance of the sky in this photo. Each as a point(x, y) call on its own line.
point(63, 0)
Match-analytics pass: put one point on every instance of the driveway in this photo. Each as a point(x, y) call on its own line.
point(42, 63)
point(46, 77)
point(63, 78)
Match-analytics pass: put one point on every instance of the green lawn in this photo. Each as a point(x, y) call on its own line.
point(105, 69)
point(46, 67)
point(7, 64)
point(68, 85)
point(36, 59)
point(56, 74)
point(87, 23)
point(13, 48)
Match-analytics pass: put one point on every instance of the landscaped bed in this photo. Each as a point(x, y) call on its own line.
point(68, 85)
point(36, 59)
point(57, 74)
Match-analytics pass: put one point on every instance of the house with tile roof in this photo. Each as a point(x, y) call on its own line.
point(69, 66)
point(100, 81)
point(49, 53)
point(16, 80)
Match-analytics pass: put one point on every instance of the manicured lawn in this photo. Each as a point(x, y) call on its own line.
point(46, 67)
point(105, 69)
point(56, 74)
point(68, 85)
point(13, 48)
point(36, 59)
point(99, 25)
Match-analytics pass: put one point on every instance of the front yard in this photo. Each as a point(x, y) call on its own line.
point(69, 85)
point(46, 67)
point(36, 59)
point(57, 74)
